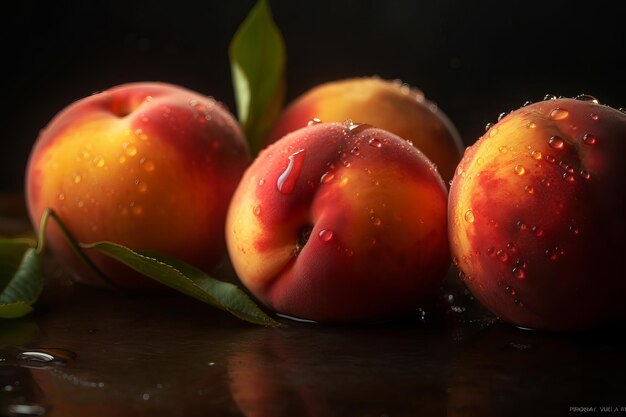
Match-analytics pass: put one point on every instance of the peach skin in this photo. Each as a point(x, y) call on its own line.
point(388, 105)
point(148, 165)
point(536, 215)
point(340, 222)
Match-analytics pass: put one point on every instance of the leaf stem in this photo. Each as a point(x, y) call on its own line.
point(49, 213)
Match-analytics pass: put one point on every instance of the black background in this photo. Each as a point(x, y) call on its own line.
point(475, 60)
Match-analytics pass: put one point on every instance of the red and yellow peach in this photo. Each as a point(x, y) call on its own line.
point(340, 222)
point(148, 165)
point(536, 215)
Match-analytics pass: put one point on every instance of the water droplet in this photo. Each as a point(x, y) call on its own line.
point(326, 235)
point(286, 183)
point(141, 134)
point(256, 210)
point(261, 182)
point(502, 255)
point(131, 150)
point(521, 225)
point(551, 254)
point(594, 116)
point(537, 231)
point(61, 196)
point(527, 103)
point(546, 182)
point(529, 189)
point(358, 127)
point(558, 114)
point(47, 355)
point(569, 177)
point(480, 161)
point(575, 230)
point(355, 151)
point(590, 139)
point(488, 126)
point(491, 251)
point(549, 97)
point(376, 220)
point(519, 273)
point(536, 154)
point(77, 179)
point(585, 174)
point(502, 149)
point(375, 143)
point(622, 109)
point(531, 125)
point(313, 121)
point(327, 177)
point(494, 131)
point(551, 158)
point(587, 97)
point(556, 142)
point(26, 410)
point(565, 167)
point(501, 116)
point(469, 216)
point(519, 170)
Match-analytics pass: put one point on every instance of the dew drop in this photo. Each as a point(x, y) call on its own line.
point(529, 189)
point(494, 131)
point(61, 196)
point(327, 177)
point(375, 143)
point(531, 125)
point(587, 97)
point(261, 182)
point(480, 161)
point(355, 151)
point(488, 126)
point(142, 187)
point(490, 251)
point(131, 150)
point(558, 114)
point(358, 127)
point(556, 142)
point(286, 183)
point(141, 134)
point(590, 139)
point(47, 355)
point(536, 154)
point(469, 216)
point(549, 97)
point(569, 177)
point(256, 210)
point(537, 231)
point(326, 235)
point(551, 158)
point(501, 116)
point(551, 254)
point(26, 410)
point(521, 225)
point(527, 103)
point(313, 121)
point(376, 221)
point(546, 182)
point(585, 174)
point(502, 255)
point(519, 170)
point(519, 273)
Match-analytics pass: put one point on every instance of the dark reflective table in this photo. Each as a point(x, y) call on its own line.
point(88, 352)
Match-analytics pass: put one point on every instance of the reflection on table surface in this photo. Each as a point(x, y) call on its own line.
point(88, 352)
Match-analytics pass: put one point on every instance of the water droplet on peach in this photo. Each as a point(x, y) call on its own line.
point(536, 154)
point(529, 189)
point(559, 114)
point(585, 174)
point(469, 216)
point(355, 151)
point(594, 116)
point(376, 221)
point(141, 134)
point(488, 126)
point(375, 143)
point(569, 177)
point(61, 196)
point(519, 170)
point(556, 142)
point(326, 235)
point(261, 182)
point(286, 183)
point(327, 177)
point(519, 273)
point(256, 210)
point(549, 97)
point(494, 131)
point(131, 150)
point(590, 139)
point(502, 255)
point(521, 225)
point(537, 231)
point(587, 97)
point(531, 125)
point(313, 121)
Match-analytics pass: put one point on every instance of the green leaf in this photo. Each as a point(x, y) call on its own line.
point(188, 280)
point(257, 62)
point(21, 277)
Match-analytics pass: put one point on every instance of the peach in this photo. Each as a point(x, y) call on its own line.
point(148, 165)
point(388, 105)
point(536, 215)
point(340, 222)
